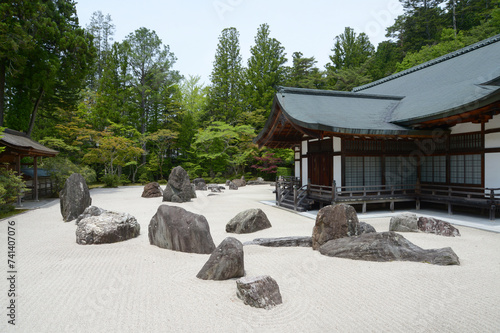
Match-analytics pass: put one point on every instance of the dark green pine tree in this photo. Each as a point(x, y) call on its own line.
point(304, 73)
point(52, 54)
point(265, 72)
point(420, 25)
point(225, 95)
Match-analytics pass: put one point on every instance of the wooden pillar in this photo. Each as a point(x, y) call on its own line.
point(35, 176)
point(18, 170)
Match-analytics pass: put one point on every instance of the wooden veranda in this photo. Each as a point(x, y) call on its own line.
point(290, 194)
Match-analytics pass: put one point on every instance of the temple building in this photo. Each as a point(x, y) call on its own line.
point(429, 133)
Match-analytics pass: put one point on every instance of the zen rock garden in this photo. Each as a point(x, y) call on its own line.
point(337, 232)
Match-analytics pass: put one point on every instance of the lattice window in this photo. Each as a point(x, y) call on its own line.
point(466, 141)
point(363, 170)
point(400, 170)
point(433, 169)
point(466, 169)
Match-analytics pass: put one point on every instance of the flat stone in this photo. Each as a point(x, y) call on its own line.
point(438, 227)
point(386, 246)
point(294, 241)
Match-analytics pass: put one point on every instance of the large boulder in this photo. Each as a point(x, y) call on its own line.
point(179, 188)
point(226, 262)
point(248, 221)
point(438, 227)
point(406, 222)
point(386, 246)
point(75, 197)
point(200, 184)
point(99, 226)
point(259, 292)
point(152, 190)
point(334, 222)
point(177, 229)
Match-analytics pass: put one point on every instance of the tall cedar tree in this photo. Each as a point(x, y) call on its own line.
point(304, 73)
point(225, 95)
point(102, 28)
point(265, 71)
point(152, 77)
point(46, 60)
point(420, 25)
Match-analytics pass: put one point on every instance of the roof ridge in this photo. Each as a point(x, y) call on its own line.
point(432, 62)
point(320, 92)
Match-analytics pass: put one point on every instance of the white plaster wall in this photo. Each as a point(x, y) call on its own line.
point(492, 164)
point(337, 170)
point(297, 169)
point(303, 176)
point(465, 128)
point(493, 123)
point(337, 144)
point(492, 140)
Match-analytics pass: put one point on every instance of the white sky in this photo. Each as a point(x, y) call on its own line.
point(192, 27)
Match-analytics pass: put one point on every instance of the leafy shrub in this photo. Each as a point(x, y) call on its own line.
point(11, 186)
point(60, 168)
point(110, 180)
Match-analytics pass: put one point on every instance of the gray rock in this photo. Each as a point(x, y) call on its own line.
point(215, 188)
point(231, 185)
point(386, 246)
point(99, 226)
point(438, 227)
point(179, 187)
point(152, 190)
point(74, 197)
point(259, 292)
point(88, 212)
point(226, 262)
point(240, 182)
point(293, 241)
point(334, 222)
point(248, 221)
point(406, 222)
point(177, 229)
point(365, 228)
point(200, 184)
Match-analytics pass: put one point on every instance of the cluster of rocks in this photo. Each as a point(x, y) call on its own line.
point(176, 229)
point(337, 233)
point(94, 225)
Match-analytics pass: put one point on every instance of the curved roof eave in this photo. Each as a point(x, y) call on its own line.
point(456, 111)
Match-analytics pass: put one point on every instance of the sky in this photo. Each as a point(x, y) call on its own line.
point(192, 28)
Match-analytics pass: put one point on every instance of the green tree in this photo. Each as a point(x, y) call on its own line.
point(265, 72)
point(161, 141)
point(52, 55)
point(225, 97)
point(385, 60)
point(304, 73)
point(350, 50)
point(152, 77)
point(420, 25)
point(221, 148)
point(102, 28)
point(350, 62)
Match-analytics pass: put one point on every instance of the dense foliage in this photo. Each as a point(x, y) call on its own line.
point(120, 112)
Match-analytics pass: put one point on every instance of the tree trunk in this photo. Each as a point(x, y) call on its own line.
point(34, 113)
point(2, 91)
